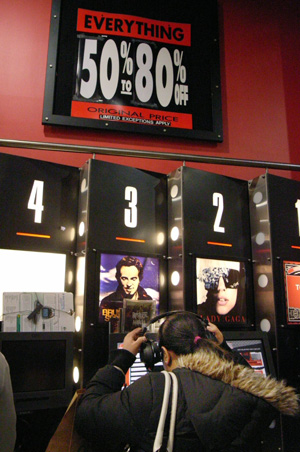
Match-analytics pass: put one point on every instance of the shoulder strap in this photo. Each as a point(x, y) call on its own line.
point(163, 414)
point(173, 413)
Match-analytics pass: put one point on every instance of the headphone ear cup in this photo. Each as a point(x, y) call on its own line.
point(157, 352)
point(161, 354)
point(150, 353)
point(146, 352)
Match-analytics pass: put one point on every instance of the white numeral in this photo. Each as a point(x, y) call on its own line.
point(130, 215)
point(109, 69)
point(297, 205)
point(36, 200)
point(87, 88)
point(144, 78)
point(218, 201)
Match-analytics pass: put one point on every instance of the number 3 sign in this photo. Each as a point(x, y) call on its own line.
point(127, 208)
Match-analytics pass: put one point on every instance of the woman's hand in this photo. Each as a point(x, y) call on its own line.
point(133, 341)
point(215, 330)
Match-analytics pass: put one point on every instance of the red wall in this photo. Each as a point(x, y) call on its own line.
point(260, 67)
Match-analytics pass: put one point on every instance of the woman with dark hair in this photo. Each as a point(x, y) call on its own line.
point(222, 405)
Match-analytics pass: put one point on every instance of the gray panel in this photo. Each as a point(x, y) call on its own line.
point(175, 240)
point(262, 255)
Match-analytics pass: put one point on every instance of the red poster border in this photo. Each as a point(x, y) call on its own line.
point(287, 297)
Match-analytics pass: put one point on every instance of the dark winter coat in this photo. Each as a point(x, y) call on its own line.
point(222, 406)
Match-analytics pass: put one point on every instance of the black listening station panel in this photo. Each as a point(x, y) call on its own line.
point(210, 247)
point(125, 214)
point(38, 204)
point(275, 231)
point(38, 207)
point(275, 217)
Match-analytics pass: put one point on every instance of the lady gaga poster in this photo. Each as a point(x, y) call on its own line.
point(221, 294)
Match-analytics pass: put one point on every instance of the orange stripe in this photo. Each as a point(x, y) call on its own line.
point(41, 236)
point(294, 246)
point(219, 244)
point(130, 240)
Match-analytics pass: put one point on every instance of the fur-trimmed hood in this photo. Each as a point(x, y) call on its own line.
point(282, 397)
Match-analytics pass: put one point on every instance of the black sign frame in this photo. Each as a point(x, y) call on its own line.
point(204, 87)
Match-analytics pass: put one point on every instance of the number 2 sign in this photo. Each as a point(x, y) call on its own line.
point(214, 213)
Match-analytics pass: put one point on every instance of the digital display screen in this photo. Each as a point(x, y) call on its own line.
point(253, 352)
point(221, 291)
point(255, 348)
point(127, 277)
point(36, 365)
point(138, 369)
point(41, 367)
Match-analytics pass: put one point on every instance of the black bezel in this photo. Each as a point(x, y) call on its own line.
point(51, 398)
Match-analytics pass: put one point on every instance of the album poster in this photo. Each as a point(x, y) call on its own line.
point(292, 291)
point(221, 291)
point(125, 278)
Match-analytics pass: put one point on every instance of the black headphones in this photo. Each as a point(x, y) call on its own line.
point(151, 353)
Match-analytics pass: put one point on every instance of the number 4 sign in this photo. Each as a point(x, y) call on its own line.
point(36, 200)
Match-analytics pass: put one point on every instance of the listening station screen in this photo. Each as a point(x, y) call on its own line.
point(254, 346)
point(138, 369)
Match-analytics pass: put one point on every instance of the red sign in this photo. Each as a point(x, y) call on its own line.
point(142, 67)
point(99, 22)
point(292, 291)
point(133, 115)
